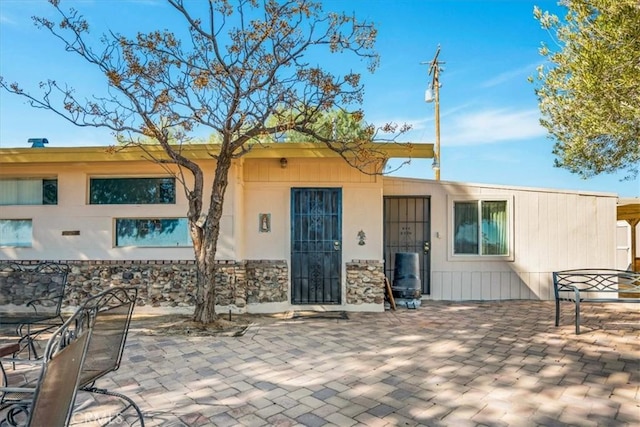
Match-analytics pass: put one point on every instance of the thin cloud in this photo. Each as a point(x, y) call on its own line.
point(4, 19)
point(425, 122)
point(490, 126)
point(509, 75)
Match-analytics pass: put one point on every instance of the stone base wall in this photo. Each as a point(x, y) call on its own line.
point(267, 281)
point(238, 283)
point(173, 283)
point(365, 282)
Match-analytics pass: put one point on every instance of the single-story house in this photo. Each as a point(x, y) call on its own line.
point(301, 229)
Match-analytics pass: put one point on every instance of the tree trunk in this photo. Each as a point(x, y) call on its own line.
point(205, 249)
point(205, 310)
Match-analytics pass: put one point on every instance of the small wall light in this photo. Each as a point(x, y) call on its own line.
point(361, 238)
point(283, 162)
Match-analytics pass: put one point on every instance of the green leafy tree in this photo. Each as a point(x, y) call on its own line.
point(339, 125)
point(241, 72)
point(589, 90)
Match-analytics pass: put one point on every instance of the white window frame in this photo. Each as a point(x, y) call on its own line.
point(452, 199)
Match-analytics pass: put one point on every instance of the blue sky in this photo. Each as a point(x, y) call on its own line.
point(488, 110)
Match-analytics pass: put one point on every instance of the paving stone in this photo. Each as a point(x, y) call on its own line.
point(311, 420)
point(446, 363)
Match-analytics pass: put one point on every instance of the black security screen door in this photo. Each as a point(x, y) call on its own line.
point(407, 229)
point(316, 245)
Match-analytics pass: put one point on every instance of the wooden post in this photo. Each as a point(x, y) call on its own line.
point(392, 302)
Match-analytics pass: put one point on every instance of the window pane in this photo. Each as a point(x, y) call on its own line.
point(465, 223)
point(167, 232)
point(494, 228)
point(28, 191)
point(49, 191)
point(16, 232)
point(116, 191)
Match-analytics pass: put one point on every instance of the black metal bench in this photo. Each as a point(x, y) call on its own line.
point(109, 314)
point(31, 298)
point(594, 286)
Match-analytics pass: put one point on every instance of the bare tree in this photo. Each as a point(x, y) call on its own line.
point(242, 72)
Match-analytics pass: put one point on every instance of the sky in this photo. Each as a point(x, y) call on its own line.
point(489, 117)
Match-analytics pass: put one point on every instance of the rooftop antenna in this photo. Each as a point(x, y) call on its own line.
point(432, 94)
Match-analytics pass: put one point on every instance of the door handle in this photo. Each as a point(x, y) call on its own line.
point(336, 245)
point(425, 247)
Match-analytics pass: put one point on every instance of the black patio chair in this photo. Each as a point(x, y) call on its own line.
point(31, 298)
point(110, 314)
point(50, 403)
point(113, 318)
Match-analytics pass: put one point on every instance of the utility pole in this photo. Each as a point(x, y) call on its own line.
point(432, 94)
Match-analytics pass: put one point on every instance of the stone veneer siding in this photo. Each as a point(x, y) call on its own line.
point(365, 282)
point(172, 283)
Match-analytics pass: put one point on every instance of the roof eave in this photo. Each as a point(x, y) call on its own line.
point(15, 156)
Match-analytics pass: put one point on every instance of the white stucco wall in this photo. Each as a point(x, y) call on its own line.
point(96, 222)
point(267, 189)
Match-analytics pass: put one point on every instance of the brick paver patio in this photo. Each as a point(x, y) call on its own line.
point(444, 364)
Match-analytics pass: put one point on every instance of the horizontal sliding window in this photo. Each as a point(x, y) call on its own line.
point(16, 233)
point(481, 227)
point(158, 232)
point(28, 191)
point(133, 191)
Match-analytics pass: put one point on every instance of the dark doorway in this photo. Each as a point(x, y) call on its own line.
point(316, 245)
point(407, 229)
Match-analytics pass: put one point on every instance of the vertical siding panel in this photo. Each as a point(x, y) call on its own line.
point(476, 285)
point(553, 243)
point(570, 227)
point(486, 285)
point(505, 285)
point(607, 221)
point(520, 227)
point(446, 286)
point(581, 237)
point(548, 279)
point(561, 224)
point(263, 171)
point(436, 285)
point(541, 291)
point(533, 252)
point(525, 291)
point(515, 287)
point(545, 249)
point(593, 222)
point(466, 286)
point(294, 174)
point(496, 285)
point(456, 286)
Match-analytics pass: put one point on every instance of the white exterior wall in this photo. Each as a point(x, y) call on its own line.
point(267, 189)
point(552, 230)
point(96, 222)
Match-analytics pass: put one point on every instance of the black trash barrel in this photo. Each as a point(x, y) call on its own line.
point(406, 276)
